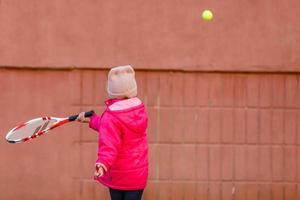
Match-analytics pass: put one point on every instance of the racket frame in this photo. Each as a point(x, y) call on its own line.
point(42, 131)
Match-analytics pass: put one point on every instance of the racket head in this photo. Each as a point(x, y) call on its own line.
point(33, 129)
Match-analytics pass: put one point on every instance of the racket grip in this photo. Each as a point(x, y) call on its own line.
point(86, 114)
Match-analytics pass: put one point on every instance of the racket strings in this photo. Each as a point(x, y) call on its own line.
point(41, 127)
point(32, 129)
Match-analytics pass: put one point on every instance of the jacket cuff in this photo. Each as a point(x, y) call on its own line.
point(92, 123)
point(101, 165)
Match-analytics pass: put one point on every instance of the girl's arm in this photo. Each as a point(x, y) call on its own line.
point(109, 143)
point(94, 122)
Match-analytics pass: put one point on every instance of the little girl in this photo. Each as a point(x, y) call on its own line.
point(122, 163)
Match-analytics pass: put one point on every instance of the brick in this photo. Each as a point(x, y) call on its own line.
point(153, 88)
point(100, 87)
point(76, 187)
point(215, 163)
point(189, 91)
point(252, 192)
point(290, 163)
point(228, 89)
point(177, 191)
point(265, 120)
point(56, 162)
point(227, 162)
point(240, 163)
point(184, 160)
point(202, 162)
point(240, 191)
point(88, 87)
point(277, 126)
point(166, 125)
point(165, 169)
point(150, 192)
point(240, 91)
point(214, 126)
point(298, 127)
point(252, 89)
point(164, 191)
point(153, 124)
point(290, 191)
point(189, 121)
point(298, 164)
point(252, 126)
point(277, 163)
point(88, 157)
point(39, 103)
point(87, 134)
point(141, 80)
point(216, 92)
point(265, 91)
point(278, 84)
point(227, 191)
point(202, 130)
point(291, 91)
point(190, 191)
point(265, 163)
point(202, 85)
point(165, 89)
point(265, 192)
point(214, 191)
point(87, 190)
point(239, 126)
point(277, 192)
point(62, 81)
point(75, 84)
point(176, 98)
point(202, 191)
point(178, 132)
point(93, 191)
point(298, 191)
point(252, 162)
point(153, 162)
point(183, 191)
point(101, 191)
point(227, 125)
point(290, 127)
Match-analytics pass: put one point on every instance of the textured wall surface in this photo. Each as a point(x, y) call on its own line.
point(222, 97)
point(212, 135)
point(245, 35)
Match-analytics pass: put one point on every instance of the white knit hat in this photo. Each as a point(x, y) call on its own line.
point(121, 82)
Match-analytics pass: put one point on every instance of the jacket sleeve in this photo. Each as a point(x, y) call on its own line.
point(95, 122)
point(109, 142)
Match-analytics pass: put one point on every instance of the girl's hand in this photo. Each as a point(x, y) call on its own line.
point(83, 119)
point(98, 172)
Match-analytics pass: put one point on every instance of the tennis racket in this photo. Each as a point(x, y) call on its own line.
point(37, 127)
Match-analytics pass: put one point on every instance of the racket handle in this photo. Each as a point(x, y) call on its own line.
point(86, 114)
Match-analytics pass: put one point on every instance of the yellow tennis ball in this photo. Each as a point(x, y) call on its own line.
point(207, 15)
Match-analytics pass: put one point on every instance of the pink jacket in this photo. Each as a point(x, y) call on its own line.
point(123, 146)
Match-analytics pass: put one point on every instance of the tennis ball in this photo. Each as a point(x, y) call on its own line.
point(207, 15)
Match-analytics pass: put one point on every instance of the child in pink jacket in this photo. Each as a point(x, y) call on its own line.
point(122, 163)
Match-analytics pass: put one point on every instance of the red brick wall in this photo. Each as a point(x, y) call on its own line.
point(223, 97)
point(244, 35)
point(212, 135)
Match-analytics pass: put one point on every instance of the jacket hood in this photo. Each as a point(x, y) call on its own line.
point(131, 112)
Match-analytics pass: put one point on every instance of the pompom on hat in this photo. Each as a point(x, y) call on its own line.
point(121, 82)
